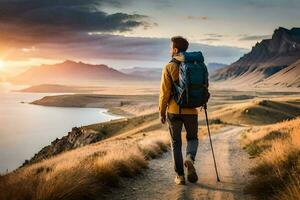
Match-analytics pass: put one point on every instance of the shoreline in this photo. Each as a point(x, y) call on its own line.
point(83, 135)
point(113, 111)
point(124, 105)
point(131, 109)
point(34, 127)
point(106, 89)
point(86, 135)
point(78, 131)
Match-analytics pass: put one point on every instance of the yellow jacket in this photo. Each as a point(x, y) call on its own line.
point(165, 102)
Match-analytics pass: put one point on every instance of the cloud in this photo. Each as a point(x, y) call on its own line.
point(269, 4)
point(82, 30)
point(259, 3)
point(220, 54)
point(106, 46)
point(211, 39)
point(191, 17)
point(162, 3)
point(214, 35)
point(254, 37)
point(65, 15)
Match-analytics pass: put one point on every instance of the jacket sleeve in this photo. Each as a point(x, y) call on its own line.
point(165, 91)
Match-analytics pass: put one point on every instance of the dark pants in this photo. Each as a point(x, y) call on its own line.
point(190, 122)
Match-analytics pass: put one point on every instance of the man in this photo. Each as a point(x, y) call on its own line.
point(169, 111)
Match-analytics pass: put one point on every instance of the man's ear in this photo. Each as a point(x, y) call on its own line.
point(176, 50)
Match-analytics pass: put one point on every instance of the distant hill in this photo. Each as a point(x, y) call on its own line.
point(70, 72)
point(147, 73)
point(265, 59)
point(258, 111)
point(155, 73)
point(212, 67)
point(55, 88)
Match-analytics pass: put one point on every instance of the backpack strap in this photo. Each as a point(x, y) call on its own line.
point(177, 62)
point(174, 60)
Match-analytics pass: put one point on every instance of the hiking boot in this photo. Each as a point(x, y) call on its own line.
point(179, 180)
point(191, 171)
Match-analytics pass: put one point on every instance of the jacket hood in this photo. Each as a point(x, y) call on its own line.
point(190, 56)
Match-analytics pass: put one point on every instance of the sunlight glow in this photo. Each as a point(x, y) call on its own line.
point(2, 64)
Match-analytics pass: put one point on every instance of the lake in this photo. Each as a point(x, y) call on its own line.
point(26, 128)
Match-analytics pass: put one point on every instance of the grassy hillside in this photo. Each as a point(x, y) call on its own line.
point(90, 171)
point(123, 147)
point(277, 149)
point(84, 173)
point(260, 111)
point(90, 134)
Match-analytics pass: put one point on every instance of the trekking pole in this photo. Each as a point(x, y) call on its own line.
point(212, 149)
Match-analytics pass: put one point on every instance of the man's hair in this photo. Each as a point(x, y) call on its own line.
point(180, 43)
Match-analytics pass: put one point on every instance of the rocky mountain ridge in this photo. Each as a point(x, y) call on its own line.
point(265, 59)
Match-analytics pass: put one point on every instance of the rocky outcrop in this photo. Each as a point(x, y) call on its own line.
point(266, 58)
point(90, 134)
point(77, 137)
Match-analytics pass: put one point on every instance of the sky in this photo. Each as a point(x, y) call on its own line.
point(134, 33)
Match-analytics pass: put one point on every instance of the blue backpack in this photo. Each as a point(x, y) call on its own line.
point(191, 89)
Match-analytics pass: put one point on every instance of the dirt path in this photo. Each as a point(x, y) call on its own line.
point(157, 181)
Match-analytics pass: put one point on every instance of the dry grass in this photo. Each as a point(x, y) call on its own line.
point(84, 173)
point(259, 110)
point(291, 191)
point(277, 148)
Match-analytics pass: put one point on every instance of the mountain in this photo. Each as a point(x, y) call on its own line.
point(147, 73)
point(265, 59)
point(70, 72)
point(212, 67)
point(288, 77)
point(155, 73)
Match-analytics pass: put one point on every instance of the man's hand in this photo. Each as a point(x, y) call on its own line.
point(163, 119)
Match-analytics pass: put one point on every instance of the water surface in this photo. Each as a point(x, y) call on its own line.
point(26, 128)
